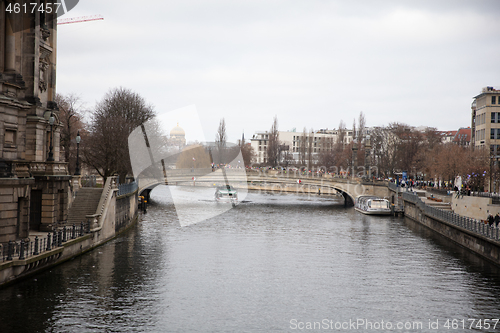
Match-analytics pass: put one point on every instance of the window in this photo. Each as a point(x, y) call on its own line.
point(10, 138)
point(498, 134)
point(493, 117)
point(492, 134)
point(493, 100)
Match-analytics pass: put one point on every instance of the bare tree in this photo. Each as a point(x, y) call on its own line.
point(361, 125)
point(326, 154)
point(70, 116)
point(361, 138)
point(408, 146)
point(384, 146)
point(341, 134)
point(221, 136)
point(113, 119)
point(247, 152)
point(273, 144)
point(218, 156)
point(354, 132)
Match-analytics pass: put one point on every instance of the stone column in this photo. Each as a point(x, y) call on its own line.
point(10, 43)
point(49, 197)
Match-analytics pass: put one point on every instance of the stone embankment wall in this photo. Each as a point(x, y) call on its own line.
point(115, 214)
point(481, 245)
point(475, 207)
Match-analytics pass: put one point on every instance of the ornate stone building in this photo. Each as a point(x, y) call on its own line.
point(34, 183)
point(177, 137)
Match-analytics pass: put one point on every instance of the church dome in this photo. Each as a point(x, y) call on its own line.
point(177, 131)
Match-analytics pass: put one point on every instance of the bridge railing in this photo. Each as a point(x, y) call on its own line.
point(473, 225)
point(124, 189)
point(394, 187)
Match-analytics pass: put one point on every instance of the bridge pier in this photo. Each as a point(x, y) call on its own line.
point(347, 200)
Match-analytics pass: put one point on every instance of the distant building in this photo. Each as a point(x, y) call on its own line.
point(296, 143)
point(177, 137)
point(485, 120)
point(447, 136)
point(463, 137)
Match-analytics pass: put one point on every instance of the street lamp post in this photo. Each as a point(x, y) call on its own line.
point(51, 122)
point(367, 157)
point(354, 158)
point(78, 139)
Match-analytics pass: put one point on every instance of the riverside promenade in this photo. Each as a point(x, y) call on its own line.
point(471, 233)
point(117, 210)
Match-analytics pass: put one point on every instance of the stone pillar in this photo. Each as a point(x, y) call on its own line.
point(10, 43)
point(49, 197)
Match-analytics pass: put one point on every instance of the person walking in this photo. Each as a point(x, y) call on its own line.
point(497, 219)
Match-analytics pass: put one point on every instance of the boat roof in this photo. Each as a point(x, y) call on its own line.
point(369, 197)
point(225, 189)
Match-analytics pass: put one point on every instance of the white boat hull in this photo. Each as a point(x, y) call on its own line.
point(372, 205)
point(374, 211)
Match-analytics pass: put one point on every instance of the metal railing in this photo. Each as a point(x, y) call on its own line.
point(470, 224)
point(124, 189)
point(89, 181)
point(26, 248)
point(394, 187)
point(438, 191)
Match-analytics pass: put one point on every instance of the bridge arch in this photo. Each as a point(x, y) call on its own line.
point(347, 188)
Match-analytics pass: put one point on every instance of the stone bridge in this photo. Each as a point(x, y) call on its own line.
point(268, 180)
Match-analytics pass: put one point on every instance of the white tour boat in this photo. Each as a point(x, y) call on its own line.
point(226, 194)
point(371, 205)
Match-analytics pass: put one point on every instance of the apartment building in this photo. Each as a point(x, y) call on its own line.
point(485, 120)
point(294, 143)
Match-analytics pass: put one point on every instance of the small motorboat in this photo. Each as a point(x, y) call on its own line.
point(372, 205)
point(226, 194)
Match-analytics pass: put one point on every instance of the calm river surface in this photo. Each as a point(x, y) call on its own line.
point(272, 264)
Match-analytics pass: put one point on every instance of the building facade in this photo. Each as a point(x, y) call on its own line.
point(296, 146)
point(485, 120)
point(34, 182)
point(463, 137)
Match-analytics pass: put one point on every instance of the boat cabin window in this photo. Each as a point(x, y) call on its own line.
point(378, 204)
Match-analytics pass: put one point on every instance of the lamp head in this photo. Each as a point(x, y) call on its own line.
point(78, 137)
point(51, 119)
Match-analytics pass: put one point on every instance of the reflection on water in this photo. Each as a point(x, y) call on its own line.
point(270, 263)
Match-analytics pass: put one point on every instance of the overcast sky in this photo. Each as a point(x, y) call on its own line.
point(310, 63)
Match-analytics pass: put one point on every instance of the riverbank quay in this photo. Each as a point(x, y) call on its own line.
point(116, 212)
point(473, 234)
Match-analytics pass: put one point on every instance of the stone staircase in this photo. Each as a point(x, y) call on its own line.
point(440, 205)
point(85, 203)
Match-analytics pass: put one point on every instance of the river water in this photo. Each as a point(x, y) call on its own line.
point(275, 263)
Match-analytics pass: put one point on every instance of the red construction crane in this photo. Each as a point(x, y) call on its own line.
point(79, 19)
